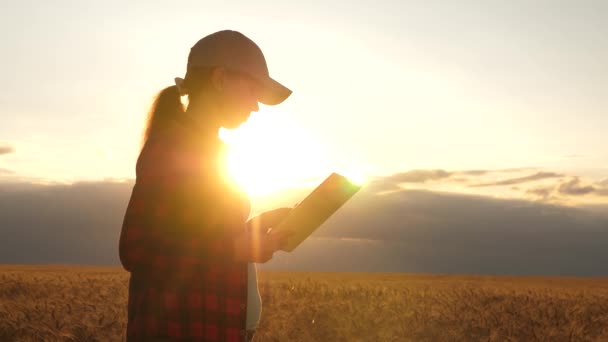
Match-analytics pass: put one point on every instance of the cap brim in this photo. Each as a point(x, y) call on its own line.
point(272, 92)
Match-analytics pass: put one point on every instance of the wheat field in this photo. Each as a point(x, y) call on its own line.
point(69, 303)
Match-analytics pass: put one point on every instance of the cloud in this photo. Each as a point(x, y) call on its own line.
point(6, 148)
point(59, 223)
point(602, 188)
point(572, 187)
point(485, 172)
point(531, 178)
point(413, 176)
point(424, 231)
point(543, 193)
point(402, 231)
point(555, 187)
point(420, 176)
point(474, 172)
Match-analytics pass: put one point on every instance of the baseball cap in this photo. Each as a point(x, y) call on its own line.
point(236, 52)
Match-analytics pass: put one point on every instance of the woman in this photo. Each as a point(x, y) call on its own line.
point(185, 237)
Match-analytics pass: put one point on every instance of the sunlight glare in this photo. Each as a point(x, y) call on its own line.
point(355, 176)
point(270, 153)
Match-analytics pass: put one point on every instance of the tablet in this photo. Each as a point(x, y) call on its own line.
point(316, 208)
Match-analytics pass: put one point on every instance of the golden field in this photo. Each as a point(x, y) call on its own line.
point(69, 303)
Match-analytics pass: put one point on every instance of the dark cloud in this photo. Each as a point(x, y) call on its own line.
point(474, 172)
point(6, 148)
point(531, 178)
point(485, 172)
point(424, 231)
point(569, 187)
point(77, 223)
point(420, 176)
point(413, 176)
point(542, 193)
point(465, 176)
point(601, 192)
point(601, 209)
point(411, 231)
point(573, 187)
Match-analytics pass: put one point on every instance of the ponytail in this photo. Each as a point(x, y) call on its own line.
point(165, 107)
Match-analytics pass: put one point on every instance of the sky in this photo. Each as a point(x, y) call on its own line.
point(382, 87)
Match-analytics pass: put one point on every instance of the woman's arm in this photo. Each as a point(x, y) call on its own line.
point(177, 216)
point(153, 239)
point(157, 234)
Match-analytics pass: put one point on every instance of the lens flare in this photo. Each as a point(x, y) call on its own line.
point(269, 154)
point(354, 176)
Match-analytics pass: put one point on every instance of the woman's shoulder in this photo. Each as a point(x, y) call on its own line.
point(173, 151)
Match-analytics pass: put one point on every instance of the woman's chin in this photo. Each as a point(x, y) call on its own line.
point(234, 124)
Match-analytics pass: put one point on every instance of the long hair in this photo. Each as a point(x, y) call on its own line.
point(168, 104)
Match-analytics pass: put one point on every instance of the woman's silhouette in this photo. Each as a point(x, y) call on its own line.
point(185, 237)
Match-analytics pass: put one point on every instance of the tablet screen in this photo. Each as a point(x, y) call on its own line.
point(316, 208)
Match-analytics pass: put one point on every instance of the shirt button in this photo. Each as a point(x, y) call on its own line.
point(243, 306)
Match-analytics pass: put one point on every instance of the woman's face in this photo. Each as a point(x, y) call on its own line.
point(238, 97)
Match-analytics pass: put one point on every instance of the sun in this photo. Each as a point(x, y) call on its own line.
point(270, 153)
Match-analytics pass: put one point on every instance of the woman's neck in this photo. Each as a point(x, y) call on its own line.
point(205, 117)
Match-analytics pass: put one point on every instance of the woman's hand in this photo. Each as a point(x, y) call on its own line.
point(268, 219)
point(259, 246)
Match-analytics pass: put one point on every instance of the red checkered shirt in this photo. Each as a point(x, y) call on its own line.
point(176, 242)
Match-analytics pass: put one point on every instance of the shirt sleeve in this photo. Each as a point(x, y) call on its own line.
point(178, 216)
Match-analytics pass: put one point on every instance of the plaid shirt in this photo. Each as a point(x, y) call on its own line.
point(177, 242)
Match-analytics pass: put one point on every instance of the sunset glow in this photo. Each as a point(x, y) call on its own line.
point(378, 90)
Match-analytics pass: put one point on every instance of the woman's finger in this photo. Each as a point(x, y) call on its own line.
point(273, 217)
